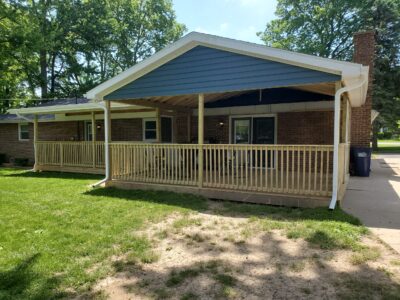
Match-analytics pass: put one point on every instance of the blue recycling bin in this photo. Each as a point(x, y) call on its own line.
point(362, 161)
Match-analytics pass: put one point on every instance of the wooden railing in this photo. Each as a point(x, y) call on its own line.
point(70, 154)
point(291, 169)
point(155, 163)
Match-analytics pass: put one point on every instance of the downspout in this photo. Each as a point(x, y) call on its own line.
point(106, 145)
point(336, 137)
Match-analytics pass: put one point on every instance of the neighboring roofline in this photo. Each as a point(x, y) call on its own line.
point(70, 108)
point(348, 71)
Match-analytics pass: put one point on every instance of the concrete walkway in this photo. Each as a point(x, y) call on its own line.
point(376, 200)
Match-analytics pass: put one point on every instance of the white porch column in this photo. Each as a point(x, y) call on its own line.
point(200, 138)
point(35, 140)
point(107, 138)
point(94, 138)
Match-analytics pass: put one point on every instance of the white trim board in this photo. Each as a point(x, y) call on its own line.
point(268, 108)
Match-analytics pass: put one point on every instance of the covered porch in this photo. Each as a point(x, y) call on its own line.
point(280, 133)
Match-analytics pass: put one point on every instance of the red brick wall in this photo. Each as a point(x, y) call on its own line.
point(313, 127)
point(364, 51)
point(122, 130)
point(11, 146)
point(212, 129)
point(61, 131)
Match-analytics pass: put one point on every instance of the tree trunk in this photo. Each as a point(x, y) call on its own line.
point(53, 75)
point(43, 73)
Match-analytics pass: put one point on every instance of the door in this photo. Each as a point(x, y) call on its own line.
point(263, 130)
point(166, 130)
point(264, 133)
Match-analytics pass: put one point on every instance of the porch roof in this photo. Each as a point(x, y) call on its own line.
point(202, 63)
point(60, 108)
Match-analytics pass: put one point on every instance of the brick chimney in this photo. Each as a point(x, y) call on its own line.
point(364, 53)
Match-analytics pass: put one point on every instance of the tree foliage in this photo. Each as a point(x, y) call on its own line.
point(325, 28)
point(58, 48)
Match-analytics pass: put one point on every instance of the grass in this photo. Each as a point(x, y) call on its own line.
point(185, 221)
point(56, 234)
point(320, 227)
point(364, 255)
point(388, 146)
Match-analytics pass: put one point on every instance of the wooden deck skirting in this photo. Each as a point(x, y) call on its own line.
point(229, 195)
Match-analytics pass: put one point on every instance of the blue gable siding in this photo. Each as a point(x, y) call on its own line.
point(208, 70)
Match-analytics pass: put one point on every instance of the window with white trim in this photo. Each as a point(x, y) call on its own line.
point(88, 131)
point(149, 130)
point(23, 132)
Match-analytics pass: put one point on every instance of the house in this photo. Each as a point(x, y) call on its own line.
point(217, 117)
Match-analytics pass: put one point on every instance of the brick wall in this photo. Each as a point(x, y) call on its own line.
point(213, 131)
point(313, 127)
point(122, 130)
point(364, 51)
point(11, 146)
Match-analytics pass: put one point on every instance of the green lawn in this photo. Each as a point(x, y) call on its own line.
point(57, 235)
point(54, 229)
point(388, 146)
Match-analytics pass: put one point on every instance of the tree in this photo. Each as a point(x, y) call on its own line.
point(319, 27)
point(63, 48)
point(325, 28)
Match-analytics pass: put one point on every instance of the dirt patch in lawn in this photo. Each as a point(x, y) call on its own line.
point(212, 255)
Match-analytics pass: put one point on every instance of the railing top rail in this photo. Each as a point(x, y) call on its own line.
point(220, 145)
point(68, 142)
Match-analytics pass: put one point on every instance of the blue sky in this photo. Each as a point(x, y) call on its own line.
point(239, 19)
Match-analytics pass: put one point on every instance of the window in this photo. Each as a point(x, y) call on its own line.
point(241, 131)
point(149, 130)
point(88, 131)
point(23, 132)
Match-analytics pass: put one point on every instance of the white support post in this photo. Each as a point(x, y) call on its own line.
point(94, 138)
point(107, 138)
point(200, 138)
point(35, 140)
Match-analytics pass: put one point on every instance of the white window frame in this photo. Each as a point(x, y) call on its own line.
point(144, 129)
point(20, 131)
point(88, 131)
point(251, 116)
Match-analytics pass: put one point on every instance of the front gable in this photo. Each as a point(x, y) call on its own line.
point(209, 70)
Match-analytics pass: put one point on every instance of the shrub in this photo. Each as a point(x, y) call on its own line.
point(21, 162)
point(2, 158)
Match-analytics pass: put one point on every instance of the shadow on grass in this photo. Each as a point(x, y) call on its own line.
point(17, 283)
point(227, 208)
point(49, 174)
point(168, 198)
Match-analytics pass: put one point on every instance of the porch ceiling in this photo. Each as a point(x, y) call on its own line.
point(183, 102)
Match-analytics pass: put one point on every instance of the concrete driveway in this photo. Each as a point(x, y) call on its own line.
point(376, 200)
